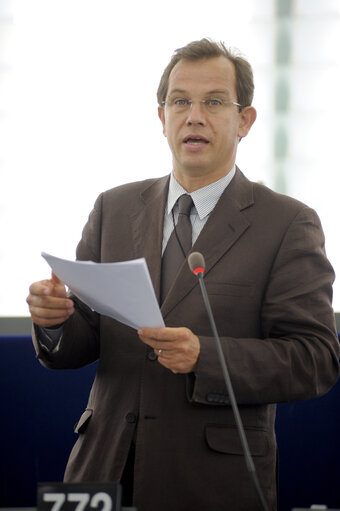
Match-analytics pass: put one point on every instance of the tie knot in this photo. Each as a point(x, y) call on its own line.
point(185, 204)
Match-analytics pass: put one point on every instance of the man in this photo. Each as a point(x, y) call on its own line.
point(159, 403)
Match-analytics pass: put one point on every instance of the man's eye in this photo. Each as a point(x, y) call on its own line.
point(214, 102)
point(180, 102)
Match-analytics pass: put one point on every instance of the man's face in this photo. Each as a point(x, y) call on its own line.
point(203, 143)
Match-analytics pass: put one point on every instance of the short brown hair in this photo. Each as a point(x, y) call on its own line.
point(207, 49)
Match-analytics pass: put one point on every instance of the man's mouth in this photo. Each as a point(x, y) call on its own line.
point(192, 140)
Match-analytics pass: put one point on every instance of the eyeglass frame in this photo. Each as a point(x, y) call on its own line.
point(204, 101)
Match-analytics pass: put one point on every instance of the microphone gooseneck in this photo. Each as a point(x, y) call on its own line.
point(197, 266)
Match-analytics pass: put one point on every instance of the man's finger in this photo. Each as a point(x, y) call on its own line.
point(163, 333)
point(50, 302)
point(55, 280)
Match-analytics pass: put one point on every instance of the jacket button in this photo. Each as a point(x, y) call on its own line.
point(152, 356)
point(131, 418)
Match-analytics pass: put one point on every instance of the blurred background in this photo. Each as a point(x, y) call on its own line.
point(78, 112)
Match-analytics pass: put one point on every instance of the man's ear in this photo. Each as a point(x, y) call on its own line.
point(247, 118)
point(161, 115)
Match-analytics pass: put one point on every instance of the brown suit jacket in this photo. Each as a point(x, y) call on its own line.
point(270, 288)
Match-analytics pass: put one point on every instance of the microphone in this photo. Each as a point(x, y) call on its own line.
point(197, 266)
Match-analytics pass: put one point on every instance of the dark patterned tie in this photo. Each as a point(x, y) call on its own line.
point(178, 245)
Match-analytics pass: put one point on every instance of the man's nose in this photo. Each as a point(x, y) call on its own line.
point(196, 114)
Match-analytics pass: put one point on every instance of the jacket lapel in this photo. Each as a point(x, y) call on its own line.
point(147, 227)
point(225, 226)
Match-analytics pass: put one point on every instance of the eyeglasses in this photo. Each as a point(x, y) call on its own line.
point(212, 105)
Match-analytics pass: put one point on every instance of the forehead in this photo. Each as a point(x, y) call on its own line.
point(202, 76)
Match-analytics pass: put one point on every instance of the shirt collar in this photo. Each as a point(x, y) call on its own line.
point(204, 199)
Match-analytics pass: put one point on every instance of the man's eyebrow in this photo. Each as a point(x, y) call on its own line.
point(214, 91)
point(218, 91)
point(177, 91)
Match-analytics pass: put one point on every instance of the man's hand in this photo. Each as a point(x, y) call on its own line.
point(48, 303)
point(177, 348)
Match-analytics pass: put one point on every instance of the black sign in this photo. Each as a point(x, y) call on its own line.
point(79, 497)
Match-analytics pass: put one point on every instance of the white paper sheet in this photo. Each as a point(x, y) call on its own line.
point(123, 291)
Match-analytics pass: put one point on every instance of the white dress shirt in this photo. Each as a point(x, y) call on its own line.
point(204, 199)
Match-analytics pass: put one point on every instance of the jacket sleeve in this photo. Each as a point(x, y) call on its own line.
point(297, 356)
point(79, 343)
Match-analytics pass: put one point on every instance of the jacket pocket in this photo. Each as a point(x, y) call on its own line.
point(82, 424)
point(225, 439)
point(230, 289)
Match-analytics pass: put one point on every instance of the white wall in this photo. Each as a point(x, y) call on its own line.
point(78, 114)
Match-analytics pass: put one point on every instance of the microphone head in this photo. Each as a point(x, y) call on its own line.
point(196, 262)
